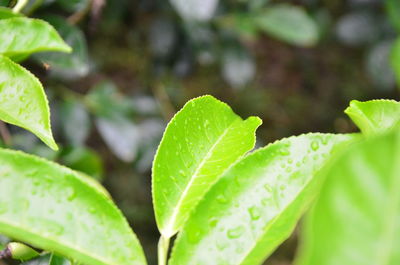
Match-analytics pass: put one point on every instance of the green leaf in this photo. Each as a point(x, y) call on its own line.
point(395, 59)
point(83, 159)
point(256, 204)
point(48, 259)
point(356, 219)
point(288, 23)
point(67, 66)
point(7, 13)
point(375, 115)
point(200, 142)
point(57, 209)
point(23, 101)
point(393, 10)
point(23, 36)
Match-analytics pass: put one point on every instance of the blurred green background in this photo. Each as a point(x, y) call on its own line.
point(296, 64)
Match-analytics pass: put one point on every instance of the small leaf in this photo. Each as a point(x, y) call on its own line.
point(288, 23)
point(23, 101)
point(67, 66)
point(7, 13)
point(74, 115)
point(195, 10)
point(21, 251)
point(200, 142)
point(375, 115)
point(23, 36)
point(121, 136)
point(356, 219)
point(256, 204)
point(57, 209)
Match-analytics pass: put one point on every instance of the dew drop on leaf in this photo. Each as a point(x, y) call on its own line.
point(254, 212)
point(235, 232)
point(314, 145)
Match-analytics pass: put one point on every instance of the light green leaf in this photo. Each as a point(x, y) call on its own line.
point(57, 209)
point(356, 219)
point(7, 13)
point(288, 23)
point(256, 204)
point(200, 142)
point(375, 115)
point(395, 59)
point(48, 259)
point(23, 101)
point(23, 36)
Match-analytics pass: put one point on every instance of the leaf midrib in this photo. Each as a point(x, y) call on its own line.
point(172, 219)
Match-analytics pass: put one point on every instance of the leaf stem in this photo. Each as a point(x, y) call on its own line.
point(19, 6)
point(163, 245)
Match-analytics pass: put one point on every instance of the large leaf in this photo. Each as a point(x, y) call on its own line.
point(23, 36)
point(289, 23)
point(200, 142)
point(375, 115)
point(256, 203)
point(356, 219)
point(23, 101)
point(57, 209)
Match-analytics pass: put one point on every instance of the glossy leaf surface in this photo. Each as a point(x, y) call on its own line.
point(289, 23)
point(57, 209)
point(23, 36)
point(256, 204)
point(200, 142)
point(375, 115)
point(356, 219)
point(23, 101)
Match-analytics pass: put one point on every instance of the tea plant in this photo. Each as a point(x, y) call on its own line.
point(226, 205)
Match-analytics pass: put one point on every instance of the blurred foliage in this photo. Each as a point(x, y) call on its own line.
point(295, 64)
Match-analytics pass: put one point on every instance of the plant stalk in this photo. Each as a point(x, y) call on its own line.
point(19, 6)
point(163, 246)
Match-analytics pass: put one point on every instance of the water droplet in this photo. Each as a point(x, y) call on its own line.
point(267, 187)
point(213, 222)
point(290, 161)
point(284, 152)
point(92, 209)
point(71, 194)
point(254, 212)
point(235, 232)
point(221, 199)
point(314, 145)
point(221, 243)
